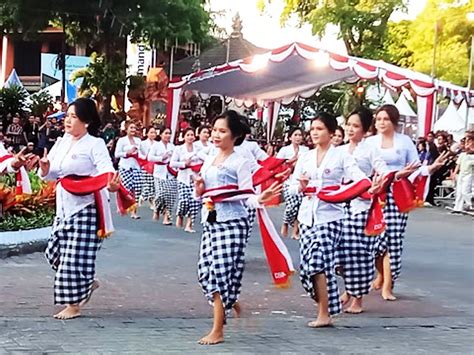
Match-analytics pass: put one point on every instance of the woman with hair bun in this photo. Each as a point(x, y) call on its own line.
point(74, 241)
point(128, 150)
point(186, 160)
point(321, 222)
point(225, 223)
point(148, 190)
point(291, 152)
point(165, 182)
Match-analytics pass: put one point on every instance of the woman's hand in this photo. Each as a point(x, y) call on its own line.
point(199, 185)
point(377, 184)
point(188, 162)
point(114, 182)
point(271, 192)
point(304, 181)
point(283, 175)
point(20, 159)
point(407, 171)
point(132, 151)
point(44, 163)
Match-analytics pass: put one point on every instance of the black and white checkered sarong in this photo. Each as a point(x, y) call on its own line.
point(132, 180)
point(188, 206)
point(148, 188)
point(166, 192)
point(292, 205)
point(71, 252)
point(355, 255)
point(222, 259)
point(251, 217)
point(317, 248)
point(391, 240)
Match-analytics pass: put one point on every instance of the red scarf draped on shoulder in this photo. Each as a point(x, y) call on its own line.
point(85, 185)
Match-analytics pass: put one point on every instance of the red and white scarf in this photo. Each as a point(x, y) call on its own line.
point(85, 185)
point(23, 185)
point(278, 257)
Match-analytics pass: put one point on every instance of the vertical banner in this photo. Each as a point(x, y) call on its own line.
point(139, 60)
point(426, 108)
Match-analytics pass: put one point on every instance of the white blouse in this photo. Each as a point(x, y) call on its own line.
point(178, 161)
point(251, 150)
point(87, 157)
point(145, 147)
point(369, 160)
point(161, 153)
point(6, 165)
point(235, 170)
point(335, 165)
point(204, 150)
point(288, 151)
point(124, 145)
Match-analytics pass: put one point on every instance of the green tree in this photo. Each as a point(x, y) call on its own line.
point(411, 43)
point(39, 103)
point(362, 24)
point(12, 100)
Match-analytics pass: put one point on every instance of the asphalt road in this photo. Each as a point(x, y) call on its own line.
point(150, 301)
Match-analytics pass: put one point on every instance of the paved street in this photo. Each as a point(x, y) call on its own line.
point(150, 301)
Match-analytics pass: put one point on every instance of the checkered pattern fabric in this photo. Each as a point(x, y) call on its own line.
point(251, 216)
point(317, 248)
point(391, 240)
point(148, 188)
point(132, 180)
point(355, 255)
point(71, 252)
point(188, 206)
point(292, 206)
point(166, 192)
point(222, 259)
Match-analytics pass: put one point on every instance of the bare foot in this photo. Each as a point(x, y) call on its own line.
point(388, 295)
point(355, 307)
point(320, 323)
point(70, 312)
point(237, 310)
point(212, 338)
point(179, 221)
point(189, 230)
point(377, 283)
point(95, 286)
point(345, 298)
point(284, 230)
point(156, 216)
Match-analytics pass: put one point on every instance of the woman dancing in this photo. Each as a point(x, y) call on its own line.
point(398, 151)
point(291, 152)
point(226, 227)
point(165, 182)
point(321, 223)
point(148, 189)
point(127, 149)
point(186, 160)
point(73, 244)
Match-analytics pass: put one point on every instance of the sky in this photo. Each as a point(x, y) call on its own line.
point(264, 30)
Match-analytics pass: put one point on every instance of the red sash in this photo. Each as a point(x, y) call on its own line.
point(85, 185)
point(278, 257)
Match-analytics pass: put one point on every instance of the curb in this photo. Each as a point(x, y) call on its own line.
point(7, 251)
point(23, 242)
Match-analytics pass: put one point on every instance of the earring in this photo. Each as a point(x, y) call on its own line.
point(87, 126)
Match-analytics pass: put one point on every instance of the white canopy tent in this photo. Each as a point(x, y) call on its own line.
point(404, 107)
point(451, 122)
point(470, 114)
point(387, 98)
point(298, 70)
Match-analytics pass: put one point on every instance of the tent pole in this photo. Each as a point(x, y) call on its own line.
point(469, 82)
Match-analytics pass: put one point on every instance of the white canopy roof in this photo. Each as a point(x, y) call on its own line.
point(451, 122)
point(387, 98)
point(404, 107)
point(462, 112)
